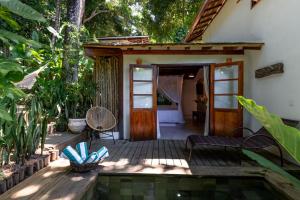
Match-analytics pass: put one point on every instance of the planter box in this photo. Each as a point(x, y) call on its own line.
point(9, 182)
point(29, 169)
point(16, 177)
point(3, 187)
point(22, 173)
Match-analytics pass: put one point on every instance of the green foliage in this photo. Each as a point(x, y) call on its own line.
point(163, 21)
point(22, 135)
point(268, 164)
point(22, 9)
point(287, 136)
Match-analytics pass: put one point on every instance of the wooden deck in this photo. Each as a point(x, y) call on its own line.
point(60, 140)
point(170, 155)
point(151, 157)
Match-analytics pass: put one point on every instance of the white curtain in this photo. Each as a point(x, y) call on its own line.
point(171, 87)
point(206, 88)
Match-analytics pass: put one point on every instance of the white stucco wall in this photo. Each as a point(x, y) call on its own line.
point(277, 24)
point(166, 59)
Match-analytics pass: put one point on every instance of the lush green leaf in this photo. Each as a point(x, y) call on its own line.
point(18, 38)
point(22, 9)
point(6, 16)
point(5, 115)
point(287, 136)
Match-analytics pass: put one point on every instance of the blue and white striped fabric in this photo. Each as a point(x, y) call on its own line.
point(72, 155)
point(82, 150)
point(102, 153)
point(93, 157)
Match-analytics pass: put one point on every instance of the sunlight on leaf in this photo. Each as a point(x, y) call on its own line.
point(288, 137)
point(22, 9)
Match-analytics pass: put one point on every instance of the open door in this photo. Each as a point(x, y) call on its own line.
point(226, 82)
point(143, 102)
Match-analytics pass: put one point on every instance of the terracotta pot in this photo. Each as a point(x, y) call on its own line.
point(22, 173)
point(9, 182)
point(3, 187)
point(77, 125)
point(46, 159)
point(54, 154)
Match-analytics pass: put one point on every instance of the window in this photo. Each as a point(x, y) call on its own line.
point(254, 2)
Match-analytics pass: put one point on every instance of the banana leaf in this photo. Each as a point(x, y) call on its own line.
point(270, 165)
point(288, 137)
point(21, 9)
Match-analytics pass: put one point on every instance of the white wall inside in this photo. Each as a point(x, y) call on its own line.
point(188, 98)
point(166, 59)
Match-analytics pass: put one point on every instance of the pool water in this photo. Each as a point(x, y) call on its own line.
point(150, 187)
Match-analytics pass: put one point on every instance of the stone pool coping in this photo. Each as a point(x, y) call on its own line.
point(57, 181)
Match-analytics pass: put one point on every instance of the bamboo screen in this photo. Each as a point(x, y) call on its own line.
point(106, 78)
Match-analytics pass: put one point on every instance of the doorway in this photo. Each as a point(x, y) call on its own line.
point(182, 100)
point(173, 101)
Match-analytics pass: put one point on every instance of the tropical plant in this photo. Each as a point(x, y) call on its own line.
point(288, 137)
point(11, 71)
point(270, 165)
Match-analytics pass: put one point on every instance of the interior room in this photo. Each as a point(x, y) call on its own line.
point(182, 100)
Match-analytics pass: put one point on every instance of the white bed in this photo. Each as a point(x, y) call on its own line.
point(170, 115)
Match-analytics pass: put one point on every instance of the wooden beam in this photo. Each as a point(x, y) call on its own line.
point(94, 52)
point(183, 52)
point(269, 70)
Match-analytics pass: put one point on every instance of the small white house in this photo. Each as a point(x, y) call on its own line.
point(192, 85)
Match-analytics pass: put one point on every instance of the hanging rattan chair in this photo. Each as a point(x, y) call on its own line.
point(101, 121)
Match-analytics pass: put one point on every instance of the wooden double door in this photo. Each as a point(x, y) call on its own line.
point(226, 114)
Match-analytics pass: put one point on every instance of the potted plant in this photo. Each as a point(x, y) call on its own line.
point(75, 111)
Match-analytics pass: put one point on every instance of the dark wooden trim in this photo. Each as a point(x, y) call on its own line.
point(229, 94)
point(229, 79)
point(277, 68)
point(183, 52)
point(182, 65)
point(94, 52)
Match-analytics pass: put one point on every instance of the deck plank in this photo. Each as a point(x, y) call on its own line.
point(149, 155)
point(161, 153)
point(169, 156)
point(155, 157)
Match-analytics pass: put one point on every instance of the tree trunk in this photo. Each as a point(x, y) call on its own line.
point(75, 12)
point(56, 25)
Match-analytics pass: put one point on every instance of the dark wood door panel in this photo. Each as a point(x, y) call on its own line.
point(143, 125)
point(226, 122)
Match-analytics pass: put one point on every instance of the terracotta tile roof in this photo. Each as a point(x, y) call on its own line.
point(206, 15)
